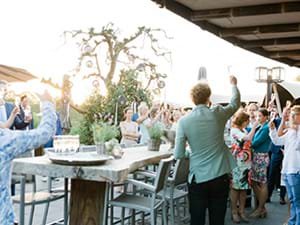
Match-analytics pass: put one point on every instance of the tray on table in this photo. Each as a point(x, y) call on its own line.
point(78, 158)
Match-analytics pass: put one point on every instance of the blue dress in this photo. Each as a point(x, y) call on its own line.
point(13, 143)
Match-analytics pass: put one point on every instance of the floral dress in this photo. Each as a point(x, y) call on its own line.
point(241, 151)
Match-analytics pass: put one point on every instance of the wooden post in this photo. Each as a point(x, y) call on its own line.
point(87, 202)
point(278, 105)
point(39, 151)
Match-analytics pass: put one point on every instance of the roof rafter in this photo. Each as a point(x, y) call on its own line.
point(271, 42)
point(284, 54)
point(279, 8)
point(267, 29)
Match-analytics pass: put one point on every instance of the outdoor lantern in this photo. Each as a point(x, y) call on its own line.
point(261, 74)
point(161, 84)
point(140, 67)
point(86, 48)
point(269, 76)
point(96, 84)
point(273, 75)
point(277, 74)
point(122, 100)
point(89, 63)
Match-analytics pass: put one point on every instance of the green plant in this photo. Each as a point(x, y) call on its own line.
point(156, 131)
point(98, 107)
point(104, 132)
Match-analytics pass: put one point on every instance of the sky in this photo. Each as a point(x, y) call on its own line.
point(31, 38)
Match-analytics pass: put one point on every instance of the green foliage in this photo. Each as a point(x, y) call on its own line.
point(36, 119)
point(103, 132)
point(85, 132)
point(156, 131)
point(102, 108)
point(92, 45)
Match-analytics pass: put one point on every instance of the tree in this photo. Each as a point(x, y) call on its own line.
point(103, 108)
point(119, 65)
point(102, 52)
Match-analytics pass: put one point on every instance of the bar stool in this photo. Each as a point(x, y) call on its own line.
point(149, 204)
point(41, 197)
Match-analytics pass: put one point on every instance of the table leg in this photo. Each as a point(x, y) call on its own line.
point(87, 202)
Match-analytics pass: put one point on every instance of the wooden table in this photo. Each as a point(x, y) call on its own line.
point(89, 183)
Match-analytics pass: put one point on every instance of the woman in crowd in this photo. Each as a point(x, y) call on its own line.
point(260, 145)
point(290, 165)
point(176, 116)
point(241, 150)
point(144, 122)
point(129, 129)
point(165, 111)
point(252, 111)
point(155, 116)
point(14, 142)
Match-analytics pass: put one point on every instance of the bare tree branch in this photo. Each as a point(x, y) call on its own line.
point(117, 48)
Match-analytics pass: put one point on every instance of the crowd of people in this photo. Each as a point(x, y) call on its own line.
point(263, 153)
point(262, 143)
point(135, 125)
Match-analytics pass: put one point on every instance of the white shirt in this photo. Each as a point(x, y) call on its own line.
point(291, 142)
point(3, 116)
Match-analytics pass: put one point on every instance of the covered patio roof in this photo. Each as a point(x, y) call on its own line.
point(270, 28)
point(13, 74)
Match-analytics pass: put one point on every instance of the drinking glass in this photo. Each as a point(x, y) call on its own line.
point(66, 144)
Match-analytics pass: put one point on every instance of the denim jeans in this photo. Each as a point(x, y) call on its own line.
point(211, 195)
point(292, 182)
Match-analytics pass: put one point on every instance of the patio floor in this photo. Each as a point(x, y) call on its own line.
point(276, 213)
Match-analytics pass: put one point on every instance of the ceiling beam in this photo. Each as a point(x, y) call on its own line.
point(284, 54)
point(263, 52)
point(278, 8)
point(271, 42)
point(229, 34)
point(271, 29)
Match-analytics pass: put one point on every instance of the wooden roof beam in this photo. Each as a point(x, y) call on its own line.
point(284, 54)
point(279, 8)
point(270, 42)
point(263, 52)
point(271, 29)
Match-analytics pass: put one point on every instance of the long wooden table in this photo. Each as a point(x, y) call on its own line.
point(89, 183)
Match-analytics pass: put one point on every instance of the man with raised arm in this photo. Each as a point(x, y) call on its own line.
point(210, 159)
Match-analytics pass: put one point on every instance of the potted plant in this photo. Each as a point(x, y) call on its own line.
point(155, 133)
point(103, 133)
